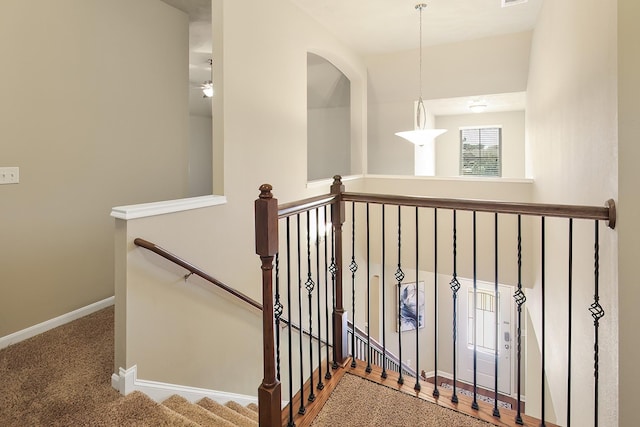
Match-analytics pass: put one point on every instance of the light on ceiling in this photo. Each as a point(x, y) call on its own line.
point(478, 107)
point(420, 135)
point(207, 89)
point(207, 86)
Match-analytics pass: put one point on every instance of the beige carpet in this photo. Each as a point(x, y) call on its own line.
point(357, 402)
point(62, 378)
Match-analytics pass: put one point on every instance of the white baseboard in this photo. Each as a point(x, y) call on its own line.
point(32, 331)
point(127, 382)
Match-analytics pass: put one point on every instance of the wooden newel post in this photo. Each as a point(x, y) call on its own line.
point(269, 393)
point(340, 348)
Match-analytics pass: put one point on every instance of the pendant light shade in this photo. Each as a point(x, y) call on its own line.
point(421, 135)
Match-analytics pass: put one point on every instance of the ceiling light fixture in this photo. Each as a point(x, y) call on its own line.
point(207, 86)
point(421, 135)
point(478, 106)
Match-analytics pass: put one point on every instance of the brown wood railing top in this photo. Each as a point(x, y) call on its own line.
point(606, 213)
point(289, 209)
point(195, 270)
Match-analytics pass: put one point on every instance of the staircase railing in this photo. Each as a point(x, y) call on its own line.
point(305, 274)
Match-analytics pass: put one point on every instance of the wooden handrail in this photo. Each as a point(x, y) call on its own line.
point(289, 209)
point(606, 213)
point(195, 270)
point(198, 272)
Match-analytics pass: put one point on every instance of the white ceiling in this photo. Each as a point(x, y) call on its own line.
point(200, 48)
point(381, 26)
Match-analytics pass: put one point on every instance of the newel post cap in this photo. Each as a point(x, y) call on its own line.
point(266, 222)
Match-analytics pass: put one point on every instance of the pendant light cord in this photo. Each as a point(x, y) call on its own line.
point(420, 110)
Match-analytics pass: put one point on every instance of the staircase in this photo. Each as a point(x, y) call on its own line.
point(178, 411)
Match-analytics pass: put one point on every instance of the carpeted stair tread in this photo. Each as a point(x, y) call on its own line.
point(227, 413)
point(242, 410)
point(253, 407)
point(140, 410)
point(196, 413)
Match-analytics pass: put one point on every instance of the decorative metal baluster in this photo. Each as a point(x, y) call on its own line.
point(542, 379)
point(436, 392)
point(327, 376)
point(520, 299)
point(320, 385)
point(302, 409)
point(570, 321)
point(474, 404)
point(597, 312)
point(455, 287)
point(289, 331)
point(353, 267)
point(417, 385)
point(309, 286)
point(496, 411)
point(333, 268)
point(368, 368)
point(384, 310)
point(399, 277)
point(277, 312)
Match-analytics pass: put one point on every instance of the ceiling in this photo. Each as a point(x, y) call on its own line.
point(200, 48)
point(381, 26)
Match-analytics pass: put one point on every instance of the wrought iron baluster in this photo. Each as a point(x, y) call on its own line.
point(399, 277)
point(496, 411)
point(474, 404)
point(309, 286)
point(333, 268)
point(289, 331)
point(542, 284)
point(417, 385)
point(320, 385)
point(368, 368)
point(436, 392)
point(597, 312)
point(353, 267)
point(384, 310)
point(570, 321)
point(455, 287)
point(302, 410)
point(327, 376)
point(520, 299)
point(277, 312)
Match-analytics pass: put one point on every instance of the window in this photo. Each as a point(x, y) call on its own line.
point(480, 149)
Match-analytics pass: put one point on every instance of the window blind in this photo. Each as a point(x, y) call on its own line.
point(480, 150)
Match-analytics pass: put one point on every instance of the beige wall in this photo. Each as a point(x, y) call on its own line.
point(629, 208)
point(571, 116)
point(513, 131)
point(79, 115)
point(393, 88)
point(264, 64)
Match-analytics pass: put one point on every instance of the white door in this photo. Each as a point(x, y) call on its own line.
point(488, 306)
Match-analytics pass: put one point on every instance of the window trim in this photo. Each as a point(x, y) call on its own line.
point(460, 159)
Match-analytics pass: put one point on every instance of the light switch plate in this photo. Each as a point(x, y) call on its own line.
point(9, 175)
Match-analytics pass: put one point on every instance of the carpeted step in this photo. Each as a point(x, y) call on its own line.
point(227, 413)
point(253, 407)
point(196, 413)
point(140, 410)
point(242, 410)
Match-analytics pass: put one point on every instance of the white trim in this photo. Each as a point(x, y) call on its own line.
point(168, 206)
point(328, 181)
point(127, 382)
point(32, 331)
point(455, 178)
point(480, 127)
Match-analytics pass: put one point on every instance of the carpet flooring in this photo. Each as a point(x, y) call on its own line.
point(357, 402)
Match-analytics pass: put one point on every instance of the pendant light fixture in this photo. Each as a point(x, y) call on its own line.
point(421, 135)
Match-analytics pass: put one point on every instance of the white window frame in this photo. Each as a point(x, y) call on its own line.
point(461, 160)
